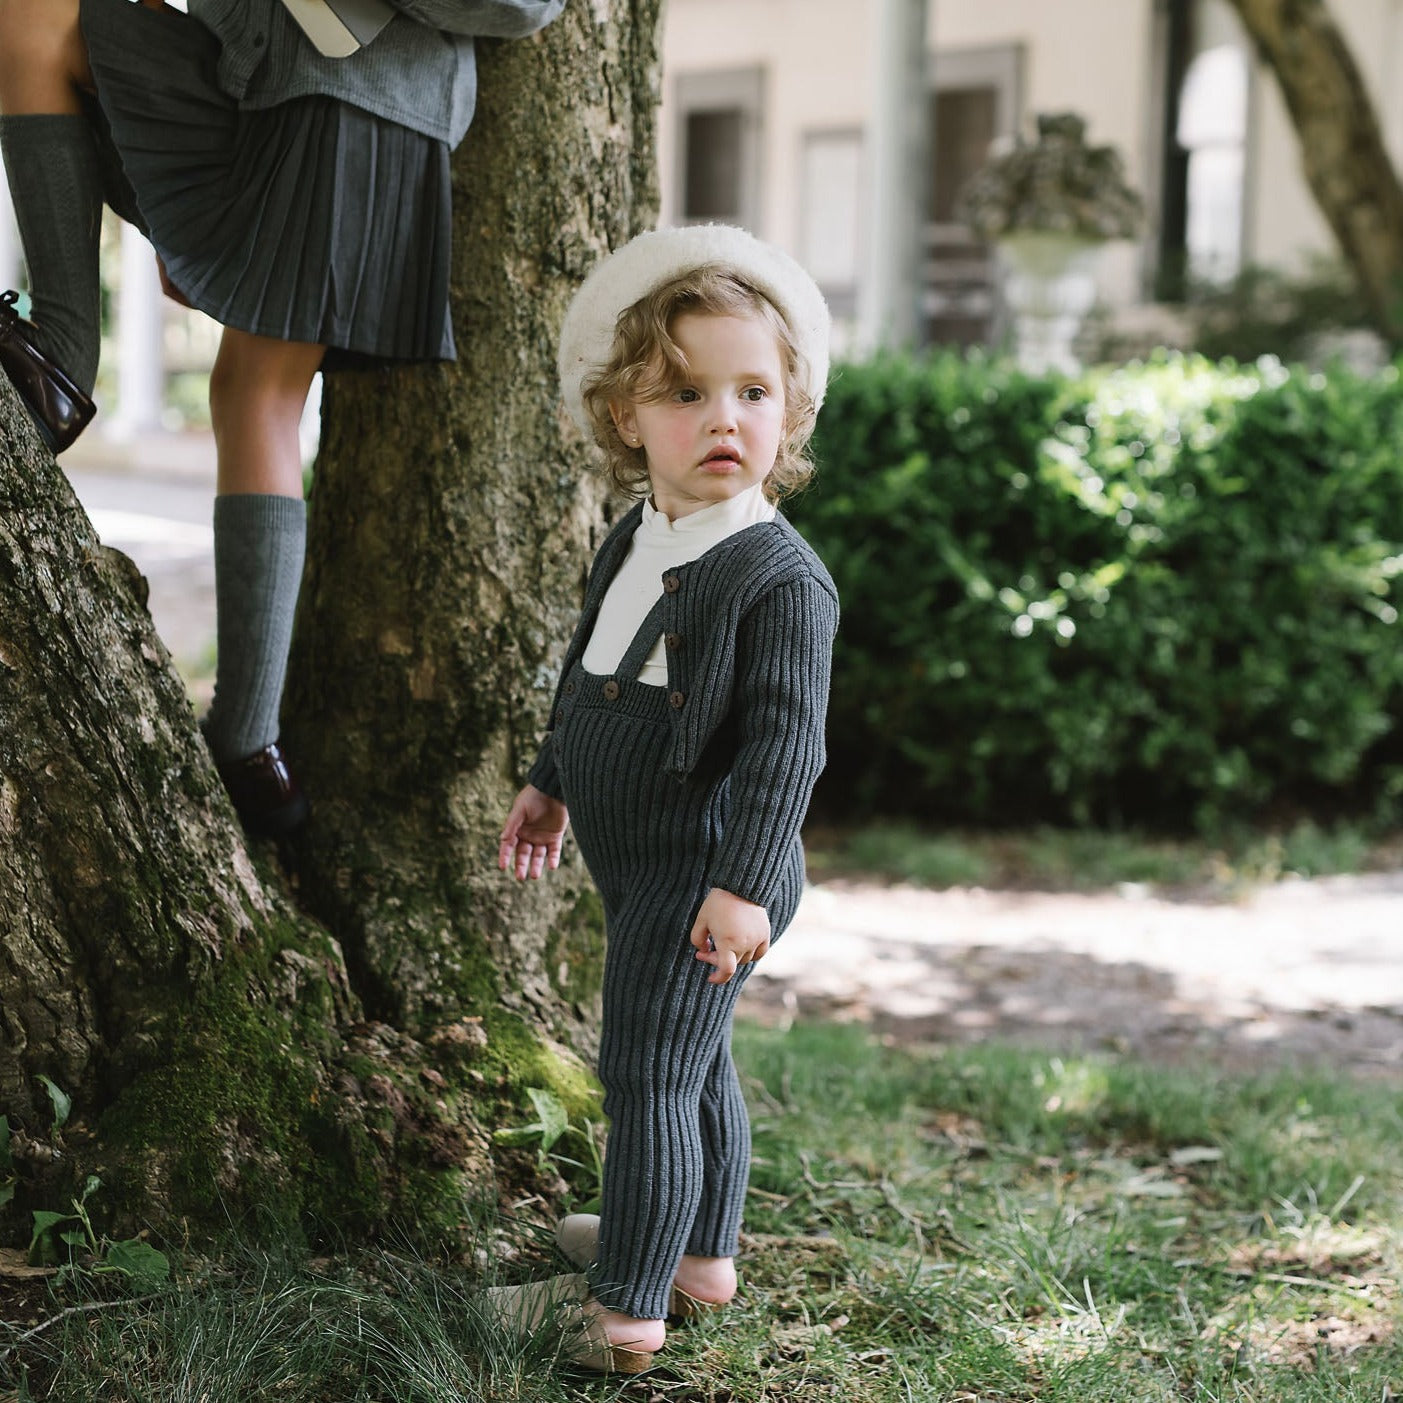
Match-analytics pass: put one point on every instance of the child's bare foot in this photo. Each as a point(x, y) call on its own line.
point(646, 1336)
point(710, 1280)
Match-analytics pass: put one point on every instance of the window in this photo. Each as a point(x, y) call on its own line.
point(718, 147)
point(830, 232)
point(1213, 131)
point(974, 101)
point(1204, 87)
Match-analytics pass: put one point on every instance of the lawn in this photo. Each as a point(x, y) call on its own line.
point(1227, 864)
point(954, 1225)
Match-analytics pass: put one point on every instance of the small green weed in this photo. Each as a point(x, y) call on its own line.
point(69, 1241)
point(552, 1127)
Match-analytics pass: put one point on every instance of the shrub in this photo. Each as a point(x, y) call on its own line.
point(1166, 593)
point(1263, 309)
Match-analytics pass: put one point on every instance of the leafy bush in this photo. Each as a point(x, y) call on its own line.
point(1166, 593)
point(1264, 309)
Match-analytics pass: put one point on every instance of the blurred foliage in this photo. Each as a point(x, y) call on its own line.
point(1313, 315)
point(1264, 311)
point(1165, 594)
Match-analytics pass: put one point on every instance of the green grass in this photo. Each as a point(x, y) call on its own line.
point(1056, 859)
point(982, 1224)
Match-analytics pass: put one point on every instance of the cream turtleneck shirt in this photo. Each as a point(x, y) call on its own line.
point(659, 544)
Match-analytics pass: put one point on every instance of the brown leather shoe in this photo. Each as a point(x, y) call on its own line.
point(265, 793)
point(60, 410)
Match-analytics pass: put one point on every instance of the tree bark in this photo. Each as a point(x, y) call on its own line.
point(444, 575)
point(338, 1046)
point(1343, 154)
point(135, 931)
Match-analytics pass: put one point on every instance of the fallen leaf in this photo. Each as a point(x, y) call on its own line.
point(14, 1264)
point(800, 1336)
point(1194, 1154)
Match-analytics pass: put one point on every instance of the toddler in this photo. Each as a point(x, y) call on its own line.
point(686, 736)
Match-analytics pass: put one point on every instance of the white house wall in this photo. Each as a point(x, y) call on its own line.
point(1092, 56)
point(816, 58)
point(1095, 57)
point(1087, 56)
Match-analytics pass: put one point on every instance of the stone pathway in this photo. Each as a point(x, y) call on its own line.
point(1301, 971)
point(153, 500)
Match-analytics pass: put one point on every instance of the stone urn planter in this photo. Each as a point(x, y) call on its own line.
point(1048, 282)
point(1049, 208)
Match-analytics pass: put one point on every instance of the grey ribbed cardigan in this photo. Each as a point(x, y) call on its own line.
point(749, 629)
point(419, 71)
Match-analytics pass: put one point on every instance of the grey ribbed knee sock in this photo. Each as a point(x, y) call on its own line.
point(259, 546)
point(55, 176)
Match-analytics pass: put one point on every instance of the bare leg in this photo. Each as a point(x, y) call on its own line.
point(257, 392)
point(43, 60)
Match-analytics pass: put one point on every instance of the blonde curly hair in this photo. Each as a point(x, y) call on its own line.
point(646, 364)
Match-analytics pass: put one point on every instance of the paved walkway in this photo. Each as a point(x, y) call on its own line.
point(153, 499)
point(1301, 971)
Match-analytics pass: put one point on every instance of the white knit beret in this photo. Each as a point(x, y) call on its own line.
point(627, 274)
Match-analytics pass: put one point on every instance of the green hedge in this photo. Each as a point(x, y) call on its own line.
point(1164, 593)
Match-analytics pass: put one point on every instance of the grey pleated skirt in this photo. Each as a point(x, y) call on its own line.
point(308, 221)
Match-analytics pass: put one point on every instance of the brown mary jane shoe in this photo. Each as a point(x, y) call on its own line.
point(265, 793)
point(60, 410)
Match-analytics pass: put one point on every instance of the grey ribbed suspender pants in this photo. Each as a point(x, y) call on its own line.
point(679, 1141)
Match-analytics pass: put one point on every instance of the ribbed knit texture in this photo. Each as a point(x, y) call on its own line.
point(752, 620)
point(259, 547)
point(55, 177)
point(659, 544)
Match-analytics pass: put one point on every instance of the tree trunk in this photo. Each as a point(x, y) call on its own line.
point(341, 1046)
point(1346, 162)
point(444, 575)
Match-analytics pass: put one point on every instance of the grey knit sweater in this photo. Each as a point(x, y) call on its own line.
point(420, 70)
point(749, 629)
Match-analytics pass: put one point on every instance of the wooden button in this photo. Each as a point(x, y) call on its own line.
point(676, 701)
point(672, 583)
point(611, 690)
point(673, 640)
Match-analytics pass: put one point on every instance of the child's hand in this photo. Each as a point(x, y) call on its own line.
point(729, 931)
point(533, 834)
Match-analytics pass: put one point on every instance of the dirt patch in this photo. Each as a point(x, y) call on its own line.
point(1301, 972)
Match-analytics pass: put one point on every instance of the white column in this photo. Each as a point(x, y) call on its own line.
point(10, 254)
point(140, 356)
point(898, 143)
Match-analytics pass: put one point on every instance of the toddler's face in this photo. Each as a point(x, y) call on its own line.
point(718, 434)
